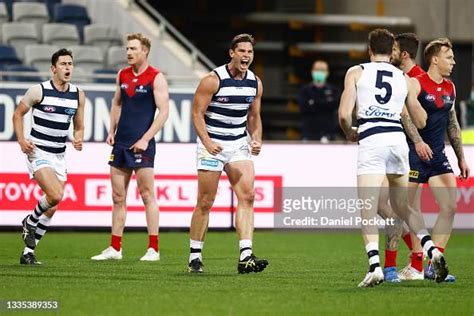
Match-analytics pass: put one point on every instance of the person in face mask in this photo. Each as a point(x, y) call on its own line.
point(318, 102)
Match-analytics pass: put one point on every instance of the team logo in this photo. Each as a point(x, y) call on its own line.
point(140, 89)
point(49, 108)
point(222, 99)
point(430, 98)
point(70, 111)
point(249, 99)
point(447, 100)
point(414, 174)
point(209, 162)
point(112, 157)
point(138, 158)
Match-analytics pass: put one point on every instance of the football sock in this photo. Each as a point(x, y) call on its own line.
point(245, 246)
point(390, 258)
point(372, 249)
point(116, 242)
point(195, 249)
point(40, 208)
point(153, 242)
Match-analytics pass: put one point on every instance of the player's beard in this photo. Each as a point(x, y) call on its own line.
point(396, 62)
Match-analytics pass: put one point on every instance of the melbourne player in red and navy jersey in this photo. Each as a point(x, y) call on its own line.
point(437, 96)
point(141, 89)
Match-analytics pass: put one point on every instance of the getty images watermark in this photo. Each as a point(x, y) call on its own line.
point(316, 207)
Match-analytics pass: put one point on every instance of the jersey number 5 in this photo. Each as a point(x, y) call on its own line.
point(383, 85)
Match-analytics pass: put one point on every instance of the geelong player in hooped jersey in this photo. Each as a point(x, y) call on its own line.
point(226, 112)
point(381, 91)
point(437, 96)
point(54, 104)
point(141, 90)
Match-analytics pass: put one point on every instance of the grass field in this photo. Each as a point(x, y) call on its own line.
point(309, 273)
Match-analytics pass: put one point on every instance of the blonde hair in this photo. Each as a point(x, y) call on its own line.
point(144, 41)
point(434, 47)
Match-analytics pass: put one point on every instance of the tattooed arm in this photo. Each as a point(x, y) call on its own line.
point(422, 149)
point(454, 136)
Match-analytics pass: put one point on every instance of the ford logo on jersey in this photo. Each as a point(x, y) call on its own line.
point(430, 98)
point(70, 111)
point(49, 108)
point(379, 111)
point(249, 99)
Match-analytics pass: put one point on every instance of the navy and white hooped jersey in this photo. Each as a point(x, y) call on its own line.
point(381, 95)
point(226, 115)
point(52, 117)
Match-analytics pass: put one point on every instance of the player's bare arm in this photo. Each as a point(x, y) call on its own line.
point(32, 96)
point(203, 96)
point(254, 121)
point(78, 133)
point(161, 96)
point(347, 103)
point(423, 150)
point(454, 136)
point(417, 113)
point(115, 111)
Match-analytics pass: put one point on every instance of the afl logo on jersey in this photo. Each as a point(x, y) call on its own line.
point(49, 108)
point(222, 99)
point(124, 86)
point(430, 98)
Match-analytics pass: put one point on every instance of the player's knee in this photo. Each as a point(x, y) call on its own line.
point(118, 198)
point(147, 196)
point(448, 208)
point(205, 203)
point(56, 196)
point(247, 197)
point(50, 212)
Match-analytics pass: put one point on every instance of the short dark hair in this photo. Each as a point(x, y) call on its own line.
point(434, 47)
point(61, 52)
point(242, 38)
point(381, 41)
point(409, 43)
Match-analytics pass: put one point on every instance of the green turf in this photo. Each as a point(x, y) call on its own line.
point(309, 273)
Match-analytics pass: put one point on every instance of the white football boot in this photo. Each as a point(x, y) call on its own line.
point(151, 255)
point(109, 254)
point(410, 274)
point(373, 278)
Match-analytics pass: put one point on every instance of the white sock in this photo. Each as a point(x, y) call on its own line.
point(426, 242)
point(28, 250)
point(195, 249)
point(245, 244)
point(372, 249)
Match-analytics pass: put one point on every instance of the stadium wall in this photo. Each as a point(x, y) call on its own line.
point(87, 201)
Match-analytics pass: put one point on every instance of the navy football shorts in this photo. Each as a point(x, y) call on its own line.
point(421, 171)
point(123, 157)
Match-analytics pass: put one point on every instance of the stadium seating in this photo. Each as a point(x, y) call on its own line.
point(39, 56)
point(50, 5)
point(3, 16)
point(22, 68)
point(8, 5)
point(116, 57)
point(60, 34)
point(104, 72)
point(30, 12)
point(101, 35)
point(19, 34)
point(8, 56)
point(74, 14)
point(87, 57)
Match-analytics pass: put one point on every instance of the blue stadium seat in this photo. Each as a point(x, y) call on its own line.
point(74, 14)
point(50, 5)
point(103, 72)
point(22, 68)
point(8, 56)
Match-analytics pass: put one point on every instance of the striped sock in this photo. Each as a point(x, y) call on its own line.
point(372, 249)
point(41, 229)
point(195, 249)
point(40, 208)
point(245, 246)
point(426, 242)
